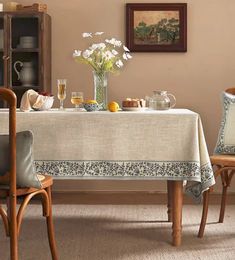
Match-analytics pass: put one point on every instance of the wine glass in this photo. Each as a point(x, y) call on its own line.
point(77, 99)
point(61, 84)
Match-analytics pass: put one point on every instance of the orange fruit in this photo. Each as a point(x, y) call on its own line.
point(113, 106)
point(90, 101)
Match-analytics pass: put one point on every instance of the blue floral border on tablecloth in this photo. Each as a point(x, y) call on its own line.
point(190, 171)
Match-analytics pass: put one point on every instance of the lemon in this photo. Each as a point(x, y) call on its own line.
point(113, 106)
point(91, 101)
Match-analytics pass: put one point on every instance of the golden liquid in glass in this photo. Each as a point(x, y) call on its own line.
point(61, 91)
point(76, 100)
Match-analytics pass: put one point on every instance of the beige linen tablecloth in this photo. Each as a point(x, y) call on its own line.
point(160, 145)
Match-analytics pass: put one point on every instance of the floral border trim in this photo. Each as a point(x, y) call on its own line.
point(190, 171)
point(186, 170)
point(221, 148)
point(207, 180)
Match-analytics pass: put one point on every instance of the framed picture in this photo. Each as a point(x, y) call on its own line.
point(156, 27)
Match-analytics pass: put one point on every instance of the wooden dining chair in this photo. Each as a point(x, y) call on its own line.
point(225, 168)
point(12, 218)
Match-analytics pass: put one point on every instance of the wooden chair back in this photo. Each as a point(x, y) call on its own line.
point(10, 97)
point(11, 218)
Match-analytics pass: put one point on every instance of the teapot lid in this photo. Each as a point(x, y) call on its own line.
point(160, 92)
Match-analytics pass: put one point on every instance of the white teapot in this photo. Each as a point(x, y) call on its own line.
point(161, 100)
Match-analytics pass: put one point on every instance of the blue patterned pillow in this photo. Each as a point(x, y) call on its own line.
point(226, 139)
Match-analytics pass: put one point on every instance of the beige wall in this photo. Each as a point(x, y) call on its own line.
point(196, 77)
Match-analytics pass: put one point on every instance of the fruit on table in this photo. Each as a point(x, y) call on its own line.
point(47, 94)
point(113, 106)
point(90, 101)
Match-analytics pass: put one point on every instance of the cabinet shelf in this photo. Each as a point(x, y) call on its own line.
point(25, 50)
point(24, 87)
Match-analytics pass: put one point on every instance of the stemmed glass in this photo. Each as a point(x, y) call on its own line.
point(77, 99)
point(61, 84)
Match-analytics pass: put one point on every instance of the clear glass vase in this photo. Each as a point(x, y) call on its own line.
point(100, 89)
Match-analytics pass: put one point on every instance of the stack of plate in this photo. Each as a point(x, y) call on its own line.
point(27, 42)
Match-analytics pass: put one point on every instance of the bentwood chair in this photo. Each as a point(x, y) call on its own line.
point(225, 168)
point(11, 218)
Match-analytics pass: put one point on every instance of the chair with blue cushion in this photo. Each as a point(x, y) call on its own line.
point(224, 158)
point(17, 178)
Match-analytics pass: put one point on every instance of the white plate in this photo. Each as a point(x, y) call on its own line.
point(134, 108)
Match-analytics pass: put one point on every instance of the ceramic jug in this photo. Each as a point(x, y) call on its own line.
point(161, 100)
point(27, 74)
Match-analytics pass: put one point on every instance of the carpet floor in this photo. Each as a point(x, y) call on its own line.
point(123, 232)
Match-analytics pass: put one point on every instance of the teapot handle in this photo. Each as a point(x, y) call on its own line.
point(17, 71)
point(173, 97)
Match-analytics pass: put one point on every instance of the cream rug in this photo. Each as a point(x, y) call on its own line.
point(123, 232)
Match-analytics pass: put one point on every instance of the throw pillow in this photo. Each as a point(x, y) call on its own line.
point(226, 139)
point(25, 172)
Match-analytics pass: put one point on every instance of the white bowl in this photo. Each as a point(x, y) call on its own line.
point(46, 105)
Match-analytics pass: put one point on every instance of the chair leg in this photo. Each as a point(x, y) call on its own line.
point(223, 204)
point(11, 210)
point(50, 228)
point(204, 213)
point(3, 214)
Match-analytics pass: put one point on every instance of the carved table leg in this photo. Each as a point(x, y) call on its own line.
point(177, 202)
point(169, 200)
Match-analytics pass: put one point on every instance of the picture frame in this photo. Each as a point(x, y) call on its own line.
point(156, 27)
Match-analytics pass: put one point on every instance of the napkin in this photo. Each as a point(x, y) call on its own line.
point(31, 99)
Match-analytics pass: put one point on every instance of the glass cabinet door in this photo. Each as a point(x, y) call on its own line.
point(1, 49)
point(1, 55)
point(24, 54)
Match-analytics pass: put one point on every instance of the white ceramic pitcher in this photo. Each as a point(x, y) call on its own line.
point(26, 74)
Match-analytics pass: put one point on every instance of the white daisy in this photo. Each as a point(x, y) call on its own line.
point(119, 63)
point(108, 55)
point(101, 45)
point(86, 35)
point(114, 52)
point(87, 53)
point(114, 42)
point(126, 56)
point(125, 48)
point(99, 33)
point(77, 53)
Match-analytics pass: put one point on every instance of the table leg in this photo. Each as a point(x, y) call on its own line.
point(169, 200)
point(177, 202)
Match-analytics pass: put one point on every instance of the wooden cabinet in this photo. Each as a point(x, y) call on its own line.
point(25, 37)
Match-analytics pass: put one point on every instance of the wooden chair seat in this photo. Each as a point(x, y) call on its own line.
point(46, 182)
point(223, 160)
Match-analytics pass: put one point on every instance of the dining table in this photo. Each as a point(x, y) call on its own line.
point(126, 145)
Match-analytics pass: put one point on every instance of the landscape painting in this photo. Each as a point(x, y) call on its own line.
point(156, 27)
